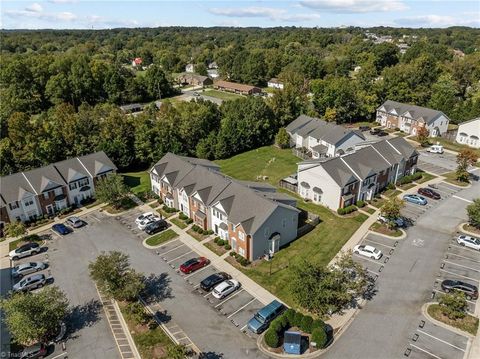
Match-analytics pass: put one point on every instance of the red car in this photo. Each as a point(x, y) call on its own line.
point(194, 264)
point(427, 192)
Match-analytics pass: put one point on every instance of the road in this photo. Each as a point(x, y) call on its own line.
point(384, 327)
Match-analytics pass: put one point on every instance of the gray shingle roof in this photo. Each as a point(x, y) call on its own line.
point(97, 163)
point(71, 170)
point(366, 162)
point(339, 171)
point(14, 187)
point(299, 122)
point(417, 112)
point(45, 178)
point(401, 144)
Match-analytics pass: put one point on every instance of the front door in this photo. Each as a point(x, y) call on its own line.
point(234, 244)
point(50, 209)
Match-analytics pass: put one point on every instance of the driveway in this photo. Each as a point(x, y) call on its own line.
point(387, 324)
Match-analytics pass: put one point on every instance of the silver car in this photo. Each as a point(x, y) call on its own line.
point(29, 283)
point(27, 268)
point(75, 222)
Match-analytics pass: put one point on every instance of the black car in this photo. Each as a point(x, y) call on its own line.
point(382, 133)
point(156, 226)
point(470, 291)
point(375, 131)
point(430, 193)
point(364, 128)
point(211, 281)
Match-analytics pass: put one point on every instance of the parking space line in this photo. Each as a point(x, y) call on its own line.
point(379, 244)
point(371, 271)
point(235, 312)
point(161, 254)
point(242, 328)
point(197, 271)
point(64, 354)
point(92, 216)
point(462, 199)
point(174, 259)
point(425, 351)
point(458, 255)
point(459, 275)
point(206, 295)
point(230, 297)
point(180, 331)
point(367, 259)
point(460, 265)
point(440, 340)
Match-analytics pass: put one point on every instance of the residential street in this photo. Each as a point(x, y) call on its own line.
point(388, 322)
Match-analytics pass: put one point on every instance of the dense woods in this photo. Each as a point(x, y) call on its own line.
point(60, 90)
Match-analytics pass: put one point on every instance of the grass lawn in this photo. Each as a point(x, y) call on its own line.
point(218, 250)
point(165, 214)
point(406, 186)
point(451, 177)
point(425, 177)
point(199, 237)
point(318, 246)
point(221, 95)
point(383, 229)
point(467, 324)
point(392, 192)
point(377, 202)
point(161, 237)
point(138, 182)
point(179, 223)
point(401, 134)
point(369, 210)
point(270, 161)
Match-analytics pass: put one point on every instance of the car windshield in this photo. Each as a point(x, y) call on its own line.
point(190, 262)
point(259, 318)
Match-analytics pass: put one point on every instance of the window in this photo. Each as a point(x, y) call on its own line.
point(284, 222)
point(241, 251)
point(13, 205)
point(317, 197)
point(83, 182)
point(28, 202)
point(241, 236)
point(46, 195)
point(72, 185)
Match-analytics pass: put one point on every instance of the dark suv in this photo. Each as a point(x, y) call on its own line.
point(211, 281)
point(156, 226)
point(470, 291)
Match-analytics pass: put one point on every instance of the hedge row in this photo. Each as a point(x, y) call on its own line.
point(347, 210)
point(200, 230)
point(240, 259)
point(361, 204)
point(222, 242)
point(410, 178)
point(292, 318)
point(169, 209)
point(183, 216)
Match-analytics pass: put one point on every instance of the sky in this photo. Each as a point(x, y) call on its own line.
point(83, 14)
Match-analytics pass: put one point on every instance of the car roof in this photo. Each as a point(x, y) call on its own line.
point(223, 285)
point(26, 265)
point(269, 308)
point(370, 248)
point(35, 276)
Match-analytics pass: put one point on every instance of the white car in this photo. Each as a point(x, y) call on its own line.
point(143, 217)
point(435, 149)
point(225, 288)
point(27, 268)
point(468, 241)
point(368, 251)
point(147, 221)
point(33, 282)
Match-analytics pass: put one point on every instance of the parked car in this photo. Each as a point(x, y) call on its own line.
point(471, 291)
point(435, 149)
point(364, 128)
point(142, 217)
point(225, 288)
point(469, 241)
point(382, 133)
point(29, 283)
point(194, 264)
point(262, 319)
point(415, 198)
point(61, 229)
point(27, 268)
point(428, 192)
point(35, 351)
point(212, 280)
point(156, 226)
point(375, 131)
point(25, 250)
point(147, 221)
point(75, 222)
point(399, 222)
point(368, 251)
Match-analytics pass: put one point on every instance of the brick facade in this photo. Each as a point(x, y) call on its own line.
point(50, 200)
point(241, 246)
point(195, 208)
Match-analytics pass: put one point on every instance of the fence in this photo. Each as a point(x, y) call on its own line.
point(287, 185)
point(312, 221)
point(300, 154)
point(450, 135)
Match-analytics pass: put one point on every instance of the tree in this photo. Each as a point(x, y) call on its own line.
point(391, 209)
point(15, 229)
point(422, 136)
point(111, 189)
point(114, 277)
point(465, 158)
point(454, 305)
point(177, 351)
point(34, 317)
point(473, 211)
point(282, 139)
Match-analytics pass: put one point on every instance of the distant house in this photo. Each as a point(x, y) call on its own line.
point(25, 196)
point(275, 83)
point(193, 79)
point(137, 61)
point(190, 68)
point(236, 88)
point(213, 73)
point(410, 118)
point(322, 138)
point(342, 181)
point(251, 216)
point(469, 133)
point(213, 65)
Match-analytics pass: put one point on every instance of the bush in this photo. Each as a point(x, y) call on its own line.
point(276, 325)
point(228, 247)
point(232, 253)
point(183, 216)
point(290, 314)
point(221, 242)
point(200, 231)
point(391, 186)
point(216, 239)
point(297, 319)
point(271, 338)
point(209, 232)
point(319, 336)
point(284, 321)
point(244, 262)
point(361, 204)
point(346, 210)
point(31, 238)
point(306, 324)
point(189, 221)
point(136, 312)
point(195, 228)
point(318, 324)
point(397, 128)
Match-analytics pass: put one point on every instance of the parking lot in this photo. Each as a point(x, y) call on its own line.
point(436, 163)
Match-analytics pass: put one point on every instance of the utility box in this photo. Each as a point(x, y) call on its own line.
point(292, 342)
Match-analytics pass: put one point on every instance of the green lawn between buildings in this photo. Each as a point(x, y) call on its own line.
point(319, 246)
point(137, 182)
point(222, 95)
point(162, 237)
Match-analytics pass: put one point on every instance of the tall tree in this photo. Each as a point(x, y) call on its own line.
point(465, 158)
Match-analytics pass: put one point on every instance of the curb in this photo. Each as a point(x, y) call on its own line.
point(456, 185)
point(443, 325)
point(403, 236)
point(460, 228)
point(144, 242)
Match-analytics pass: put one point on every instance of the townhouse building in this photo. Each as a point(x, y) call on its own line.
point(410, 118)
point(321, 138)
point(342, 181)
point(468, 133)
point(252, 217)
point(25, 196)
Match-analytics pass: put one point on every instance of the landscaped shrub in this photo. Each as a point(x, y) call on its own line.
point(200, 231)
point(306, 324)
point(209, 232)
point(360, 204)
point(410, 178)
point(189, 221)
point(290, 314)
point(319, 336)
point(297, 319)
point(169, 209)
point(195, 228)
point(228, 247)
point(391, 186)
point(318, 324)
point(271, 338)
point(221, 242)
point(276, 325)
point(232, 253)
point(182, 216)
point(285, 323)
point(216, 239)
point(136, 312)
point(346, 210)
point(31, 238)
point(244, 261)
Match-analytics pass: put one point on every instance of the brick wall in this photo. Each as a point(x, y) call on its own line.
point(194, 207)
point(245, 244)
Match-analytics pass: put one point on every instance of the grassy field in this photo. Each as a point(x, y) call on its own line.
point(161, 237)
point(138, 182)
point(179, 223)
point(451, 177)
point(221, 95)
point(425, 177)
point(467, 324)
point(267, 161)
point(318, 246)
